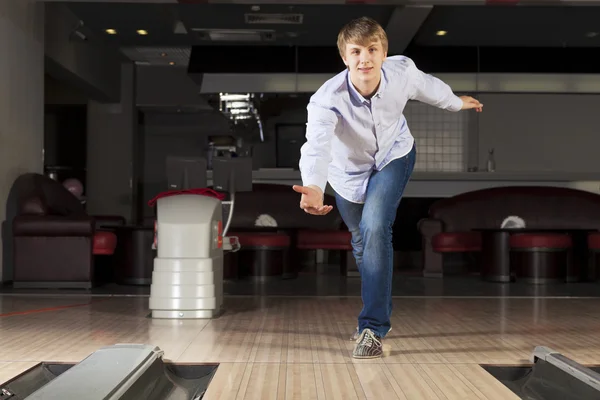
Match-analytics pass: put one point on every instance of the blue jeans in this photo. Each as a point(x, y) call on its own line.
point(371, 227)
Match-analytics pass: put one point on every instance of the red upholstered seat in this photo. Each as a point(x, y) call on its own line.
point(540, 240)
point(262, 239)
point(324, 240)
point(104, 243)
point(594, 241)
point(456, 242)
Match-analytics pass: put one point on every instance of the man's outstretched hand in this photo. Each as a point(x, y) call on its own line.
point(470, 103)
point(312, 200)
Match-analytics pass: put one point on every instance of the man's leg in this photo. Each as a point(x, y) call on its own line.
point(384, 192)
point(352, 214)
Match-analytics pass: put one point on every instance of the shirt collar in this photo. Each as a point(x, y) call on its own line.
point(359, 96)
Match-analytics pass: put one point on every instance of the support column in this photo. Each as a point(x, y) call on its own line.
point(111, 134)
point(21, 106)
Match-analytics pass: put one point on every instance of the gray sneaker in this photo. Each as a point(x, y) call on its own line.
point(368, 345)
point(355, 335)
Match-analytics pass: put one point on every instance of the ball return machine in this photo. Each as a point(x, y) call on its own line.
point(187, 280)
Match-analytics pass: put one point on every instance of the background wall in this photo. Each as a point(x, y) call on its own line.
point(89, 65)
point(173, 134)
point(111, 148)
point(531, 134)
point(541, 132)
point(441, 137)
point(21, 105)
point(538, 138)
point(65, 137)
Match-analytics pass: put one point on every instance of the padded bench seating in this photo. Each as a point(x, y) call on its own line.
point(436, 242)
point(104, 243)
point(309, 239)
point(54, 240)
point(281, 203)
point(313, 239)
point(451, 222)
point(594, 247)
point(540, 258)
point(452, 242)
point(594, 241)
point(262, 255)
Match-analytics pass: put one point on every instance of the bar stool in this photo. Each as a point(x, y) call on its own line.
point(540, 258)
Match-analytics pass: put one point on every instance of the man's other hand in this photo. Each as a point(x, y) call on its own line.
point(312, 200)
point(471, 103)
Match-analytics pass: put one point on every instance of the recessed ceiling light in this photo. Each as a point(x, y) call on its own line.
point(163, 54)
point(441, 33)
point(111, 31)
point(142, 32)
point(171, 62)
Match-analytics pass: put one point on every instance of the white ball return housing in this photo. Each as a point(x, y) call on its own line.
point(187, 280)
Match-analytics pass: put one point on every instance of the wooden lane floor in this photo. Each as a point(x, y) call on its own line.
point(299, 347)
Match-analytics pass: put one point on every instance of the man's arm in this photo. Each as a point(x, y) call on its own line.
point(315, 154)
point(431, 90)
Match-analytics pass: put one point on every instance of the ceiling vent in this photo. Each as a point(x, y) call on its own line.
point(265, 18)
point(235, 35)
point(158, 55)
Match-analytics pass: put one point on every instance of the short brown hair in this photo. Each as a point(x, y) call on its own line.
point(361, 31)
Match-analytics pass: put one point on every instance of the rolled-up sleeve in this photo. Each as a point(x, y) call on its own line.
point(315, 154)
point(431, 90)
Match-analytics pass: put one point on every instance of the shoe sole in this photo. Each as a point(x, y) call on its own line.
point(367, 357)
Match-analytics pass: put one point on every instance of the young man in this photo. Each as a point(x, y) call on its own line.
point(359, 141)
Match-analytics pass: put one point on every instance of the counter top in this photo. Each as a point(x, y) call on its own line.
point(290, 174)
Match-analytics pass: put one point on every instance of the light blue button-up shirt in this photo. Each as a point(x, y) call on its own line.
point(348, 136)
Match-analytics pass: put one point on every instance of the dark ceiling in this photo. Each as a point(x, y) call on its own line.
point(512, 27)
point(528, 34)
point(309, 25)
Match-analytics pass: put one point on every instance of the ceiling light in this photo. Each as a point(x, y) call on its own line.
point(111, 31)
point(441, 33)
point(163, 54)
point(171, 62)
point(591, 34)
point(142, 32)
point(239, 108)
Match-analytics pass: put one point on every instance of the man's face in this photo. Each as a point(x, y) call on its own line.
point(364, 62)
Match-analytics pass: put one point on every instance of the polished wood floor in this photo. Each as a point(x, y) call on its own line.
point(299, 348)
